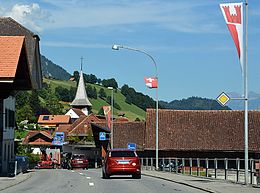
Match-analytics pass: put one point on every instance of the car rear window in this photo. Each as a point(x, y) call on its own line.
point(78, 157)
point(122, 154)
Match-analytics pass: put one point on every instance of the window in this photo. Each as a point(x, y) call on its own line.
point(122, 154)
point(9, 118)
point(45, 118)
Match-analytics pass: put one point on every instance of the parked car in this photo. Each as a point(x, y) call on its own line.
point(169, 166)
point(79, 161)
point(121, 162)
point(22, 164)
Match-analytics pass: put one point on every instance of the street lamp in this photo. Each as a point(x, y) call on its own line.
point(112, 116)
point(117, 47)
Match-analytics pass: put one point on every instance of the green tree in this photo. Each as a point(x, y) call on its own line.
point(24, 113)
point(52, 103)
point(110, 83)
point(76, 76)
point(102, 94)
point(35, 103)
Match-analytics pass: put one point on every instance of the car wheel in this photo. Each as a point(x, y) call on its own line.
point(136, 176)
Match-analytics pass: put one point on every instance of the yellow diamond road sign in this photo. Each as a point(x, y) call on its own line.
point(223, 98)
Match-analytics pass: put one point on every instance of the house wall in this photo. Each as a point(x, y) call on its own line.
point(7, 123)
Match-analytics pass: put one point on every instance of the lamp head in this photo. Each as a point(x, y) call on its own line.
point(116, 47)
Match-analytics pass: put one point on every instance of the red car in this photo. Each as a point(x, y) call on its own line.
point(121, 162)
point(79, 161)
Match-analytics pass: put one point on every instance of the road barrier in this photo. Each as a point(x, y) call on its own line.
point(217, 168)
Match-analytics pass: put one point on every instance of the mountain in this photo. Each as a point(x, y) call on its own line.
point(193, 103)
point(49, 69)
point(254, 101)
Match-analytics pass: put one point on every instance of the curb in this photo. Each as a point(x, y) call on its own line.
point(182, 183)
point(18, 182)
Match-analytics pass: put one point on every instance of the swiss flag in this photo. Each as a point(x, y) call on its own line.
point(151, 82)
point(233, 14)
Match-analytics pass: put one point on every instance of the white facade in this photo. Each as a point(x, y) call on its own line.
point(72, 114)
point(7, 124)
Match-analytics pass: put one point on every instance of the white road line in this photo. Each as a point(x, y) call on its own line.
point(81, 173)
point(72, 171)
point(91, 184)
point(88, 177)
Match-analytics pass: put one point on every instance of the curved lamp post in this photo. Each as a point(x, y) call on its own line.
point(117, 47)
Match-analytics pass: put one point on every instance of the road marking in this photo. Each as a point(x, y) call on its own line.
point(72, 171)
point(91, 184)
point(81, 173)
point(88, 177)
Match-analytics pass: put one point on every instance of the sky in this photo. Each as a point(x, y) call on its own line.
point(188, 39)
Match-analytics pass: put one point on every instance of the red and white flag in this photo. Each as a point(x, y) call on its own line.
point(151, 82)
point(233, 14)
point(107, 113)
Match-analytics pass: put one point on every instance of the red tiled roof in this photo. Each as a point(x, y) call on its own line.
point(121, 119)
point(54, 119)
point(63, 128)
point(10, 50)
point(129, 132)
point(211, 130)
point(78, 111)
point(38, 141)
point(82, 125)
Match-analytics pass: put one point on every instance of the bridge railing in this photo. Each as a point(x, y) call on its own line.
point(219, 168)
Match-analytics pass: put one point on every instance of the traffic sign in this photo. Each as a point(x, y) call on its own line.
point(131, 146)
point(102, 136)
point(223, 98)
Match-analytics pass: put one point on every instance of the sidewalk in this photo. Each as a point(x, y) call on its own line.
point(206, 184)
point(6, 182)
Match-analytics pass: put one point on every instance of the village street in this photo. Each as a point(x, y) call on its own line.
point(77, 181)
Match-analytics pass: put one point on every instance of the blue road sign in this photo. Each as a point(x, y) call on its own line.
point(102, 136)
point(131, 146)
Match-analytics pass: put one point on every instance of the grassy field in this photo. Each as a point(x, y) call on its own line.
point(131, 111)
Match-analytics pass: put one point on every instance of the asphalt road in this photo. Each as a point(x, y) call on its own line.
point(77, 181)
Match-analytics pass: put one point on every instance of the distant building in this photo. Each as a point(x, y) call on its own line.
point(53, 121)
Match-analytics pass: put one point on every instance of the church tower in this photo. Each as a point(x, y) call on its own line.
point(81, 100)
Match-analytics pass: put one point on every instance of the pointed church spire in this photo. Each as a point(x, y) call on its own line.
point(81, 100)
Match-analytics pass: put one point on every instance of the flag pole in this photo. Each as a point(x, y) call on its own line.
point(246, 92)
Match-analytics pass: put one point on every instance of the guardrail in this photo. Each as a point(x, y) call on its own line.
point(224, 168)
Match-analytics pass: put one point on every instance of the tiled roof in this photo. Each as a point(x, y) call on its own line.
point(78, 111)
point(38, 141)
point(9, 27)
point(63, 128)
point(10, 50)
point(53, 119)
point(82, 125)
point(121, 119)
point(211, 130)
point(129, 132)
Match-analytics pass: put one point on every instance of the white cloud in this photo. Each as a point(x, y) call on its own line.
point(173, 15)
point(29, 15)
